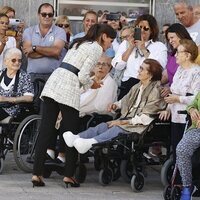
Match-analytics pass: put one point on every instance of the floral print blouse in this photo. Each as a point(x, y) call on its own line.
point(25, 87)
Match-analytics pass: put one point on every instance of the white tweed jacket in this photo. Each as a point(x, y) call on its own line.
point(64, 86)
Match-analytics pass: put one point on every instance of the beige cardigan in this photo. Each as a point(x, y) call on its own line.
point(150, 103)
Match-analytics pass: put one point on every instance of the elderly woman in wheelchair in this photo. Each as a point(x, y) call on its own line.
point(137, 107)
point(15, 85)
point(15, 88)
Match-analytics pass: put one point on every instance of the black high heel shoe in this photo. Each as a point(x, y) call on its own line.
point(73, 182)
point(38, 183)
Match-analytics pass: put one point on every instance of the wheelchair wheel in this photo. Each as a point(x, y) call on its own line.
point(176, 193)
point(1, 165)
point(137, 182)
point(115, 166)
point(166, 172)
point(24, 142)
point(105, 176)
point(126, 170)
point(167, 192)
point(80, 173)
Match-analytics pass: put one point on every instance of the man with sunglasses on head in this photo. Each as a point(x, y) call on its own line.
point(43, 43)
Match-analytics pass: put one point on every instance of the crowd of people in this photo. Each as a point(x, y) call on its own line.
point(110, 65)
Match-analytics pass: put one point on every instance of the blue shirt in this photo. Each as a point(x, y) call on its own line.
point(44, 64)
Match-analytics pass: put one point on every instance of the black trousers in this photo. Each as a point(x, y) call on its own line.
point(177, 131)
point(126, 86)
point(70, 122)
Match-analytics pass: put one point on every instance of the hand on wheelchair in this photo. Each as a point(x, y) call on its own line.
point(164, 115)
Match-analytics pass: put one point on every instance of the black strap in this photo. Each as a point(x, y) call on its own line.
point(16, 81)
point(69, 67)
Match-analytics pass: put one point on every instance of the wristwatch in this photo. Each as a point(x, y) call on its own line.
point(34, 48)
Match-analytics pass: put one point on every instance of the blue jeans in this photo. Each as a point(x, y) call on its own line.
point(102, 132)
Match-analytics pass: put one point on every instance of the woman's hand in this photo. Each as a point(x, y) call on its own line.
point(165, 91)
point(140, 44)
point(198, 123)
point(112, 107)
point(117, 123)
point(195, 114)
point(172, 98)
point(164, 115)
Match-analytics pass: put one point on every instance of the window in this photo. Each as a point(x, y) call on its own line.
point(75, 9)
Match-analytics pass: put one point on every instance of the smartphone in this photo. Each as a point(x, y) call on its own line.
point(112, 16)
point(137, 33)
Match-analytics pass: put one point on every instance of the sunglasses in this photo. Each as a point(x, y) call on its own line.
point(144, 28)
point(45, 14)
point(63, 25)
point(14, 60)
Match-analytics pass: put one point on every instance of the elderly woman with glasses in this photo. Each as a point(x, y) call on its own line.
point(15, 85)
point(133, 52)
point(184, 87)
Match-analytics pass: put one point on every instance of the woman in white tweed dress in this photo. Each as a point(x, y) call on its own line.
point(62, 93)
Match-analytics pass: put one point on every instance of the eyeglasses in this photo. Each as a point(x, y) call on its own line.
point(178, 52)
point(14, 60)
point(144, 28)
point(102, 64)
point(47, 14)
point(6, 23)
point(63, 25)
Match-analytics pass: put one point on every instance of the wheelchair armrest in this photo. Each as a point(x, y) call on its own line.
point(183, 112)
point(6, 104)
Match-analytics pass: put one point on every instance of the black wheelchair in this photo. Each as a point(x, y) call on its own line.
point(9, 135)
point(127, 155)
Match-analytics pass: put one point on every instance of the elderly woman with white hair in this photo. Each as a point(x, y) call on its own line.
point(15, 84)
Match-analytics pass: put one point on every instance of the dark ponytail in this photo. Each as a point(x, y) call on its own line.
point(94, 34)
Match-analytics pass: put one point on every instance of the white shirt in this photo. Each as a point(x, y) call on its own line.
point(158, 51)
point(97, 100)
point(184, 81)
point(9, 44)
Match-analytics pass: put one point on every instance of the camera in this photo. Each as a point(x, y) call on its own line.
point(137, 33)
point(113, 16)
point(14, 22)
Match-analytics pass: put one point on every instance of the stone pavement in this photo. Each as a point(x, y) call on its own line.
point(16, 185)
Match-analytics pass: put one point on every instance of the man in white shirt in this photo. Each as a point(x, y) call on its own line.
point(97, 100)
point(185, 15)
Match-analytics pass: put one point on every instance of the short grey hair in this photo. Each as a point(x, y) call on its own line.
point(11, 51)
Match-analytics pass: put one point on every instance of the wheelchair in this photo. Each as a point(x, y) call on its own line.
point(10, 129)
point(127, 155)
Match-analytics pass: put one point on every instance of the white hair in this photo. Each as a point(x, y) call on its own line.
point(11, 51)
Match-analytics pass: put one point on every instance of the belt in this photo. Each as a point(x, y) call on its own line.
point(69, 67)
